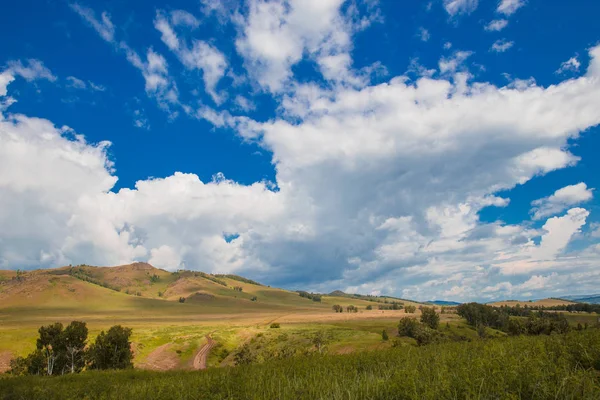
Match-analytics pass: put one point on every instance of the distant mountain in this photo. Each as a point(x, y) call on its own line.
point(444, 303)
point(583, 298)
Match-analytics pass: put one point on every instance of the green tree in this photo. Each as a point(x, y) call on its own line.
point(111, 350)
point(515, 327)
point(410, 309)
point(384, 335)
point(74, 340)
point(430, 318)
point(51, 344)
point(408, 327)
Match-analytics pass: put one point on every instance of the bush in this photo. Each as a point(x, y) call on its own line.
point(384, 335)
point(111, 350)
point(369, 307)
point(182, 299)
point(430, 318)
point(337, 308)
point(274, 325)
point(408, 327)
point(410, 309)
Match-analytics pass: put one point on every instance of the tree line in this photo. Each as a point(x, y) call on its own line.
point(62, 350)
point(538, 322)
point(311, 296)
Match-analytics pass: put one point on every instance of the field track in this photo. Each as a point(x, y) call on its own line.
point(202, 355)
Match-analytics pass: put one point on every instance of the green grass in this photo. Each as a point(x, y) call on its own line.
point(545, 367)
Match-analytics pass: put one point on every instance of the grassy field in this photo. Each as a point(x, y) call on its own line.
point(167, 334)
point(541, 367)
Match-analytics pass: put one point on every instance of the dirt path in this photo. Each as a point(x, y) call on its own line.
point(161, 359)
point(202, 355)
point(5, 357)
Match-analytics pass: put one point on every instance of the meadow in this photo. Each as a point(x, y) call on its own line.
point(526, 367)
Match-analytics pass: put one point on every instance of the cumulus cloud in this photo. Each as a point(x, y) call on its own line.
point(496, 25)
point(453, 63)
point(561, 200)
point(275, 36)
point(501, 45)
point(375, 188)
point(509, 7)
point(457, 7)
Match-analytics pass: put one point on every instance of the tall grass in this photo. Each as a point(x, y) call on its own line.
point(544, 367)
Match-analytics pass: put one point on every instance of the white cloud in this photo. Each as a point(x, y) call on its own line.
point(453, 63)
point(457, 7)
point(79, 84)
point(76, 83)
point(201, 55)
point(33, 70)
point(501, 45)
point(496, 25)
point(572, 65)
point(158, 83)
point(184, 18)
point(424, 34)
point(377, 182)
point(6, 77)
point(140, 120)
point(165, 257)
point(103, 26)
point(509, 7)
point(561, 200)
point(276, 35)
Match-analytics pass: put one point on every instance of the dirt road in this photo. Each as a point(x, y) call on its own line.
point(202, 355)
point(161, 359)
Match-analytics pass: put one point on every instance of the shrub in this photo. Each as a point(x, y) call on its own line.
point(337, 308)
point(182, 299)
point(111, 350)
point(384, 335)
point(408, 327)
point(430, 318)
point(275, 325)
point(410, 309)
point(369, 307)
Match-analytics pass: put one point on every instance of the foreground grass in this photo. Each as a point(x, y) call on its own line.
point(548, 367)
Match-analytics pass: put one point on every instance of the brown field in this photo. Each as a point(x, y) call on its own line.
point(536, 303)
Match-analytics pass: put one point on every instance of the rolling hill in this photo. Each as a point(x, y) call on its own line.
point(591, 298)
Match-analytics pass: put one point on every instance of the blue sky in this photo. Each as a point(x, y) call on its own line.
point(442, 149)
